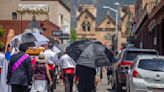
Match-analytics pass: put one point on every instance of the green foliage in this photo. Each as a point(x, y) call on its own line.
point(73, 35)
point(1, 46)
point(2, 31)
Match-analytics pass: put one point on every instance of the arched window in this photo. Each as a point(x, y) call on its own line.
point(88, 26)
point(84, 26)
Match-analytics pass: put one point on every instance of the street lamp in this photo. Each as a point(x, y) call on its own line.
point(117, 3)
point(116, 30)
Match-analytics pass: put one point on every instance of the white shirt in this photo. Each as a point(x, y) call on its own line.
point(51, 56)
point(2, 58)
point(66, 62)
point(56, 49)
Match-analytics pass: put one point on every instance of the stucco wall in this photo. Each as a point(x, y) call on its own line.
point(55, 8)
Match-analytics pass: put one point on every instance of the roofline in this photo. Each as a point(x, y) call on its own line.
point(86, 10)
point(105, 18)
point(65, 6)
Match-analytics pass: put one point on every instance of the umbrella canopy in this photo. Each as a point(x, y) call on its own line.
point(93, 54)
point(76, 48)
point(30, 39)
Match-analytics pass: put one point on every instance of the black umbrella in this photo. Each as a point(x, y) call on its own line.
point(90, 53)
point(28, 37)
point(75, 49)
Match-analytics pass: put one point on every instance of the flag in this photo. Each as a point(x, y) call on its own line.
point(10, 35)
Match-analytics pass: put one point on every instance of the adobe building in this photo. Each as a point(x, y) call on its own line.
point(52, 15)
point(88, 28)
point(105, 31)
point(86, 22)
point(57, 11)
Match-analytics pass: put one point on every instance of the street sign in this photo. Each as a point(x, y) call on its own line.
point(57, 33)
point(64, 36)
point(61, 35)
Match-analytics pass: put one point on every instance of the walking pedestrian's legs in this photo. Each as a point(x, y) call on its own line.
point(51, 88)
point(68, 82)
point(19, 88)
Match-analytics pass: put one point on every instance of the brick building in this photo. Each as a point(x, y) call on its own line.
point(149, 27)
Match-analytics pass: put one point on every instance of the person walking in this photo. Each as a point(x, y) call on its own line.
point(86, 76)
point(4, 86)
point(40, 75)
point(101, 74)
point(52, 60)
point(19, 74)
point(109, 73)
point(2, 58)
point(68, 68)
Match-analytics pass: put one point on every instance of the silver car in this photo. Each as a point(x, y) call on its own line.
point(147, 74)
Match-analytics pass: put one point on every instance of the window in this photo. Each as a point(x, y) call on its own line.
point(14, 15)
point(131, 55)
point(152, 64)
point(86, 26)
point(108, 22)
point(83, 26)
point(61, 19)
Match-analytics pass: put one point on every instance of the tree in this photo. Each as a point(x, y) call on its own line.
point(2, 33)
point(73, 35)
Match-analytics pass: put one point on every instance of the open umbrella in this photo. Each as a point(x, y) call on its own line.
point(31, 39)
point(75, 49)
point(93, 54)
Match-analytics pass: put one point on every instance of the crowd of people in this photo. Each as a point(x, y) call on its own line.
point(25, 73)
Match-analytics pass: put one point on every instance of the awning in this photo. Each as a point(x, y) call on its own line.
point(42, 9)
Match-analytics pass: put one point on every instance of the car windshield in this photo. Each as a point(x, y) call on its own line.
point(131, 55)
point(152, 64)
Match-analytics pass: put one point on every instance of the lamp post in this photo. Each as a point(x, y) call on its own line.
point(116, 30)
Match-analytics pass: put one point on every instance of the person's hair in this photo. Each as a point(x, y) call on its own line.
point(22, 47)
point(50, 45)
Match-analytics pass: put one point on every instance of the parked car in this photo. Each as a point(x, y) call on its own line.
point(147, 74)
point(124, 63)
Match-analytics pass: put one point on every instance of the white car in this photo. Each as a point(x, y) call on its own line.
point(147, 74)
